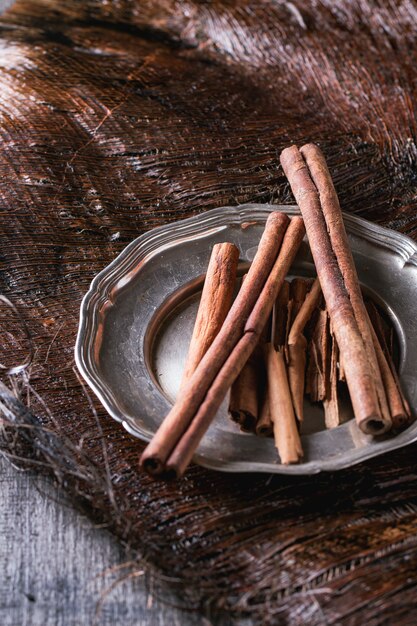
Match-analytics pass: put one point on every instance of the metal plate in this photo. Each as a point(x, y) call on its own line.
point(137, 319)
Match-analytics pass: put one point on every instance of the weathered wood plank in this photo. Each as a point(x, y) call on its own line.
point(54, 564)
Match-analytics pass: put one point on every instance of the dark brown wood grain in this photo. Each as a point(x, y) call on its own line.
point(115, 118)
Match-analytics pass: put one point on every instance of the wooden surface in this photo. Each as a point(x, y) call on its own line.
point(118, 117)
point(54, 565)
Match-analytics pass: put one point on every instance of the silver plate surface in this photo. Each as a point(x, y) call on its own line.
point(137, 317)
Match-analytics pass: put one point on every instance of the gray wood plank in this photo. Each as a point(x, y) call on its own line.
point(5, 4)
point(53, 565)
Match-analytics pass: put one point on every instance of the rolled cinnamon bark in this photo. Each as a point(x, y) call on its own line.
point(398, 411)
point(279, 331)
point(329, 201)
point(215, 302)
point(175, 424)
point(319, 359)
point(383, 330)
point(331, 399)
point(264, 427)
point(299, 288)
point(369, 415)
point(399, 407)
point(280, 316)
point(305, 311)
point(287, 438)
point(341, 372)
point(297, 345)
point(186, 446)
point(244, 394)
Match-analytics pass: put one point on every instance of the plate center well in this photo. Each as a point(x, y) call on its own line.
point(169, 342)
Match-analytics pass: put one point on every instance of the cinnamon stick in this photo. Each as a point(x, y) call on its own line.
point(287, 438)
point(215, 302)
point(369, 414)
point(244, 394)
point(183, 451)
point(331, 398)
point(341, 372)
point(305, 311)
point(319, 358)
point(299, 288)
point(383, 330)
point(322, 369)
point(399, 408)
point(280, 316)
point(297, 345)
point(264, 427)
point(329, 201)
point(177, 421)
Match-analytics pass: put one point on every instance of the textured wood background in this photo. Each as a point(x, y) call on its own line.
point(117, 117)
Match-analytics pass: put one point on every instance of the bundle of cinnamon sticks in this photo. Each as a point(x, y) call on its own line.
point(274, 404)
point(280, 340)
point(376, 397)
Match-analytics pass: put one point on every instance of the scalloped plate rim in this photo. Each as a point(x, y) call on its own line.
point(401, 244)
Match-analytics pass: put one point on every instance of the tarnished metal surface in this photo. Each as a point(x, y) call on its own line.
point(137, 319)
